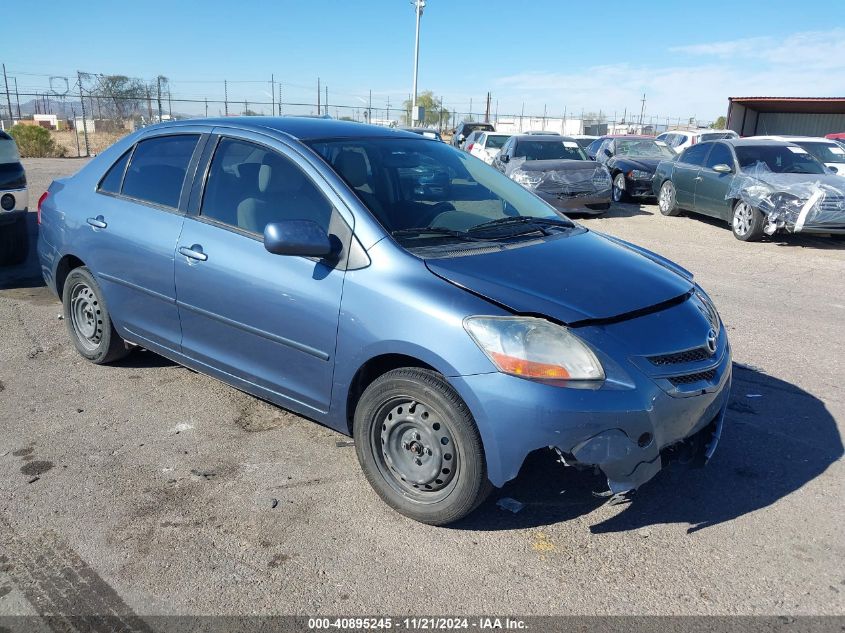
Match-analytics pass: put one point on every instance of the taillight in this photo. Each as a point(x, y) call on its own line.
point(41, 202)
point(469, 147)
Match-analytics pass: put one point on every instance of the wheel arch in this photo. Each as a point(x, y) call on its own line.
point(371, 370)
point(66, 264)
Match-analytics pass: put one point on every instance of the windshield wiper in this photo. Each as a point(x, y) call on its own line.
point(437, 231)
point(522, 219)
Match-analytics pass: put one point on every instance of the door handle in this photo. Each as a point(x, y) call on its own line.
point(193, 252)
point(98, 223)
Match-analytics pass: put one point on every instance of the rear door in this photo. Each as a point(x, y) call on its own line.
point(269, 321)
point(131, 232)
point(713, 186)
point(685, 175)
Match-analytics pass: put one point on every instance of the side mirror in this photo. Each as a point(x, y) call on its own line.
point(722, 168)
point(298, 237)
point(504, 158)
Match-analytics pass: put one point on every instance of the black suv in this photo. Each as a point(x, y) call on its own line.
point(465, 129)
point(14, 200)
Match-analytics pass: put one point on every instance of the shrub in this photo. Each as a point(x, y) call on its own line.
point(35, 142)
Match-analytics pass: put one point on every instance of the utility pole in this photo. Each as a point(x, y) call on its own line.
point(272, 94)
point(544, 116)
point(226, 97)
point(169, 104)
point(158, 83)
point(388, 108)
point(319, 108)
point(326, 88)
point(149, 104)
point(206, 106)
point(75, 131)
point(280, 98)
point(370, 108)
point(521, 114)
point(642, 111)
point(18, 97)
point(84, 124)
point(419, 5)
point(8, 98)
point(487, 110)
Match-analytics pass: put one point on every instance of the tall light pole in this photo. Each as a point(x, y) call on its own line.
point(419, 5)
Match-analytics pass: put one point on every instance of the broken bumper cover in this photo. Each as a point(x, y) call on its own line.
point(629, 432)
point(590, 202)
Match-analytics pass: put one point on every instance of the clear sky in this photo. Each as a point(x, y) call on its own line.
point(686, 56)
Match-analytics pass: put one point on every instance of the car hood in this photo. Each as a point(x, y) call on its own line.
point(646, 164)
point(581, 277)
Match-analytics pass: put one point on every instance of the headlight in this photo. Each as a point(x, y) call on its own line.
point(639, 174)
point(601, 178)
point(526, 178)
point(534, 348)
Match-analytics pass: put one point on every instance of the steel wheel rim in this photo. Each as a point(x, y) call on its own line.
point(667, 196)
point(742, 218)
point(86, 316)
point(617, 189)
point(415, 450)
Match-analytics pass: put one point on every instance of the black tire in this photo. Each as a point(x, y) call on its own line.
point(419, 447)
point(619, 194)
point(88, 321)
point(14, 243)
point(667, 199)
point(747, 222)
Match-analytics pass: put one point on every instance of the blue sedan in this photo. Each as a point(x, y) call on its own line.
point(394, 289)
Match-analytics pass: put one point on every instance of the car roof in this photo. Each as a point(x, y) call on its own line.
point(301, 128)
point(625, 136)
point(794, 139)
point(746, 142)
point(542, 137)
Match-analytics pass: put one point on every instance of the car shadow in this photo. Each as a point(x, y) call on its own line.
point(627, 210)
point(777, 438)
point(780, 238)
point(28, 273)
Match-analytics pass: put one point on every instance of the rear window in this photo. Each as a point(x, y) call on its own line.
point(715, 136)
point(549, 150)
point(495, 141)
point(114, 176)
point(471, 127)
point(158, 167)
point(8, 150)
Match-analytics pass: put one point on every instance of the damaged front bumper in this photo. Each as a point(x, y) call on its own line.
point(577, 202)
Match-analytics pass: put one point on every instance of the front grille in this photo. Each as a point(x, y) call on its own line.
point(687, 356)
point(689, 379)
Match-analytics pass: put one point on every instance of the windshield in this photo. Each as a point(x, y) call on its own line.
point(643, 148)
point(549, 150)
point(496, 141)
point(8, 151)
point(411, 184)
point(825, 152)
point(781, 159)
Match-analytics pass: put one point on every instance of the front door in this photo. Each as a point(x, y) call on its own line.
point(270, 321)
point(711, 195)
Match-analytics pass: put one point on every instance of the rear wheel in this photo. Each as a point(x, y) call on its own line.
point(747, 223)
point(14, 242)
point(419, 447)
point(667, 200)
point(88, 320)
point(619, 192)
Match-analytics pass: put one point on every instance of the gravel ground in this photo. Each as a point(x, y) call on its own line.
point(145, 488)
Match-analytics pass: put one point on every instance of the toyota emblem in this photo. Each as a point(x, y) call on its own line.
point(711, 340)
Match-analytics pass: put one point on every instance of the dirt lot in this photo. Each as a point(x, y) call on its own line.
point(146, 488)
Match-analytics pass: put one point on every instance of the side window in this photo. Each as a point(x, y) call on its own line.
point(114, 176)
point(720, 155)
point(249, 186)
point(157, 169)
point(695, 155)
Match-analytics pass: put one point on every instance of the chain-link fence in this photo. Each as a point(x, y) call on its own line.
point(92, 110)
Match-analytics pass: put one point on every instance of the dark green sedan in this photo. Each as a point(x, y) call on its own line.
point(758, 186)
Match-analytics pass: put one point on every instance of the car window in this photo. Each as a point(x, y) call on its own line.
point(250, 186)
point(114, 176)
point(496, 141)
point(593, 147)
point(549, 150)
point(720, 155)
point(781, 159)
point(825, 152)
point(157, 169)
point(695, 155)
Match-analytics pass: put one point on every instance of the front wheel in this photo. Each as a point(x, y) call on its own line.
point(747, 222)
point(419, 447)
point(88, 321)
point(667, 199)
point(619, 192)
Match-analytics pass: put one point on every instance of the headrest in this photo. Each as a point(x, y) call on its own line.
point(276, 175)
point(352, 167)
